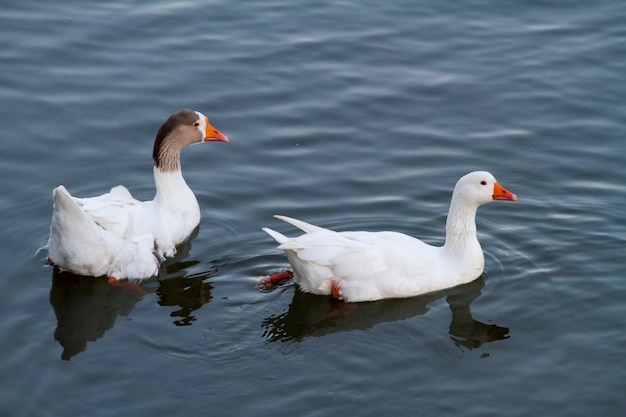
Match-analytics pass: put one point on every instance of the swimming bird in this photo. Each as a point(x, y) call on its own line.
point(368, 266)
point(116, 235)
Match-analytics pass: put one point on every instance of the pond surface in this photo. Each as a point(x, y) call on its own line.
point(351, 115)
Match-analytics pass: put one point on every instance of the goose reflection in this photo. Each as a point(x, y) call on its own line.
point(189, 293)
point(314, 315)
point(87, 307)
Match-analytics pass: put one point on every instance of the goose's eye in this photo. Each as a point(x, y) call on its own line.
point(196, 124)
point(483, 183)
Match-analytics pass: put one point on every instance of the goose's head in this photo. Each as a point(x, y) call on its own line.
point(184, 128)
point(481, 187)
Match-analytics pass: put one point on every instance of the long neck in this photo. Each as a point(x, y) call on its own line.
point(462, 248)
point(173, 192)
point(171, 189)
point(166, 154)
point(461, 225)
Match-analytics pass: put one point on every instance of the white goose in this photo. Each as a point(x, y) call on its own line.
point(120, 237)
point(368, 266)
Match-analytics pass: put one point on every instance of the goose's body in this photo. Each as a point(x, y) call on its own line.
point(116, 235)
point(368, 266)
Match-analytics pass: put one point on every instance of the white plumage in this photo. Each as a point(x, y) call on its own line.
point(118, 236)
point(367, 266)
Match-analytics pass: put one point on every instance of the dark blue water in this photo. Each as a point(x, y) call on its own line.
point(350, 115)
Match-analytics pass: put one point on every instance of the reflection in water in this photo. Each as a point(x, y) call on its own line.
point(190, 293)
point(87, 307)
point(464, 330)
point(314, 315)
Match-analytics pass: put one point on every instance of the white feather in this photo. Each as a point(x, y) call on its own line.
point(117, 235)
point(369, 266)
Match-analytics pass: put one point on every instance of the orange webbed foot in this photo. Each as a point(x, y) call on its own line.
point(275, 280)
point(127, 285)
point(335, 291)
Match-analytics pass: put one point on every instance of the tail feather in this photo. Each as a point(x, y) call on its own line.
point(278, 237)
point(63, 200)
point(67, 211)
point(80, 245)
point(304, 226)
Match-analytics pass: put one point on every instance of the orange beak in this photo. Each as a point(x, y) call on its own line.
point(501, 193)
point(213, 135)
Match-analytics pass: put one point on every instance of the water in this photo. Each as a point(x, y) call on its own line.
point(350, 115)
